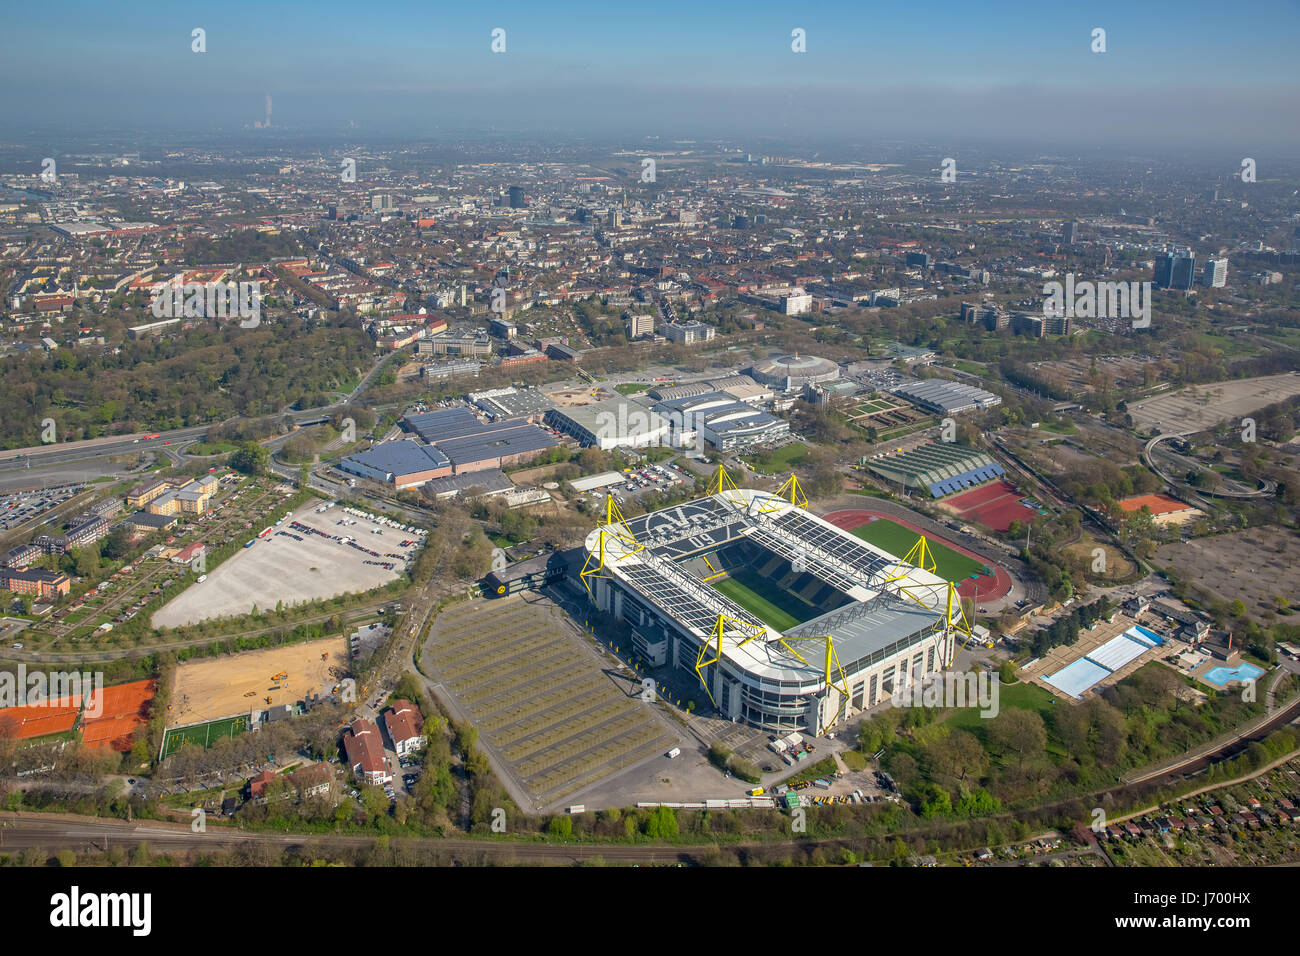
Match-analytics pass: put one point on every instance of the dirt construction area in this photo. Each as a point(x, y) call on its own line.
point(571, 397)
point(221, 687)
point(1255, 565)
point(1199, 407)
point(293, 565)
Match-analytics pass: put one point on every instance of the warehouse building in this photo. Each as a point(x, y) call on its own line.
point(501, 445)
point(511, 404)
point(614, 423)
point(946, 398)
point(474, 445)
point(475, 484)
point(402, 464)
point(939, 468)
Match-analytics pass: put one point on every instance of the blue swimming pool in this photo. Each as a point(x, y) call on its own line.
point(1222, 676)
point(1156, 638)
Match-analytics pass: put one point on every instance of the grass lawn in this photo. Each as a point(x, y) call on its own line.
point(781, 459)
point(1022, 695)
point(631, 388)
point(898, 540)
point(769, 604)
point(213, 448)
point(854, 759)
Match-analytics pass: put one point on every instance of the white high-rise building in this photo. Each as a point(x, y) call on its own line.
point(1215, 275)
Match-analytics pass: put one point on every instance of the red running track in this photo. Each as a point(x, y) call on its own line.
point(999, 587)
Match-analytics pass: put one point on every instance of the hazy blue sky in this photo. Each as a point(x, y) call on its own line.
point(1174, 73)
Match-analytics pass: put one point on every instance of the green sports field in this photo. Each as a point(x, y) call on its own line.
point(897, 540)
point(757, 595)
point(204, 735)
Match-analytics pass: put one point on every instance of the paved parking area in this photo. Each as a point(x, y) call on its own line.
point(294, 567)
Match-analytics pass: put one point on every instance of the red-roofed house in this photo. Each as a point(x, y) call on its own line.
point(405, 727)
point(257, 786)
point(365, 752)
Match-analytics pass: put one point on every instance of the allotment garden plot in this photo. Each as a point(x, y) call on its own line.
point(539, 696)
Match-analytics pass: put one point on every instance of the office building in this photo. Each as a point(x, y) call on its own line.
point(1215, 274)
point(1175, 271)
point(639, 324)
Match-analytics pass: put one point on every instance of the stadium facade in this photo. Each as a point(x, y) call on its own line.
point(866, 623)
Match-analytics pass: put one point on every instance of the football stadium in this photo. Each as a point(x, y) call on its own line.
point(789, 622)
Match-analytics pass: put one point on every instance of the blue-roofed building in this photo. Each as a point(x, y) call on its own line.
point(402, 464)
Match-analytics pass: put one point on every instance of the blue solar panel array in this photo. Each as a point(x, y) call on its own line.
point(966, 479)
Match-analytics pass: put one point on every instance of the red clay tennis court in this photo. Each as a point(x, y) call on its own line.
point(37, 720)
point(994, 506)
point(125, 709)
point(1159, 504)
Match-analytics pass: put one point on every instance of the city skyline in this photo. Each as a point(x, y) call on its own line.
point(1010, 71)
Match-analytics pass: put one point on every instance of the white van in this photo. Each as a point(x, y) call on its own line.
point(202, 578)
point(675, 752)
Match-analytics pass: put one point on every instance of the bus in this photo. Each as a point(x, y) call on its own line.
point(154, 435)
point(264, 533)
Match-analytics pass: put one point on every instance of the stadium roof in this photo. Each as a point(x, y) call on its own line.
point(939, 467)
point(872, 624)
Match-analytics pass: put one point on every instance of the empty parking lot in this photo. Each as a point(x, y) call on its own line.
point(539, 697)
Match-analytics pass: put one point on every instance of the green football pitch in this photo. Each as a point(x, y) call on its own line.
point(897, 540)
point(204, 735)
point(757, 595)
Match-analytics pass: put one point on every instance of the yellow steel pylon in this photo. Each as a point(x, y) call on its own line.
point(719, 629)
point(831, 666)
point(959, 622)
point(721, 484)
point(622, 533)
point(792, 491)
point(920, 557)
point(615, 527)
